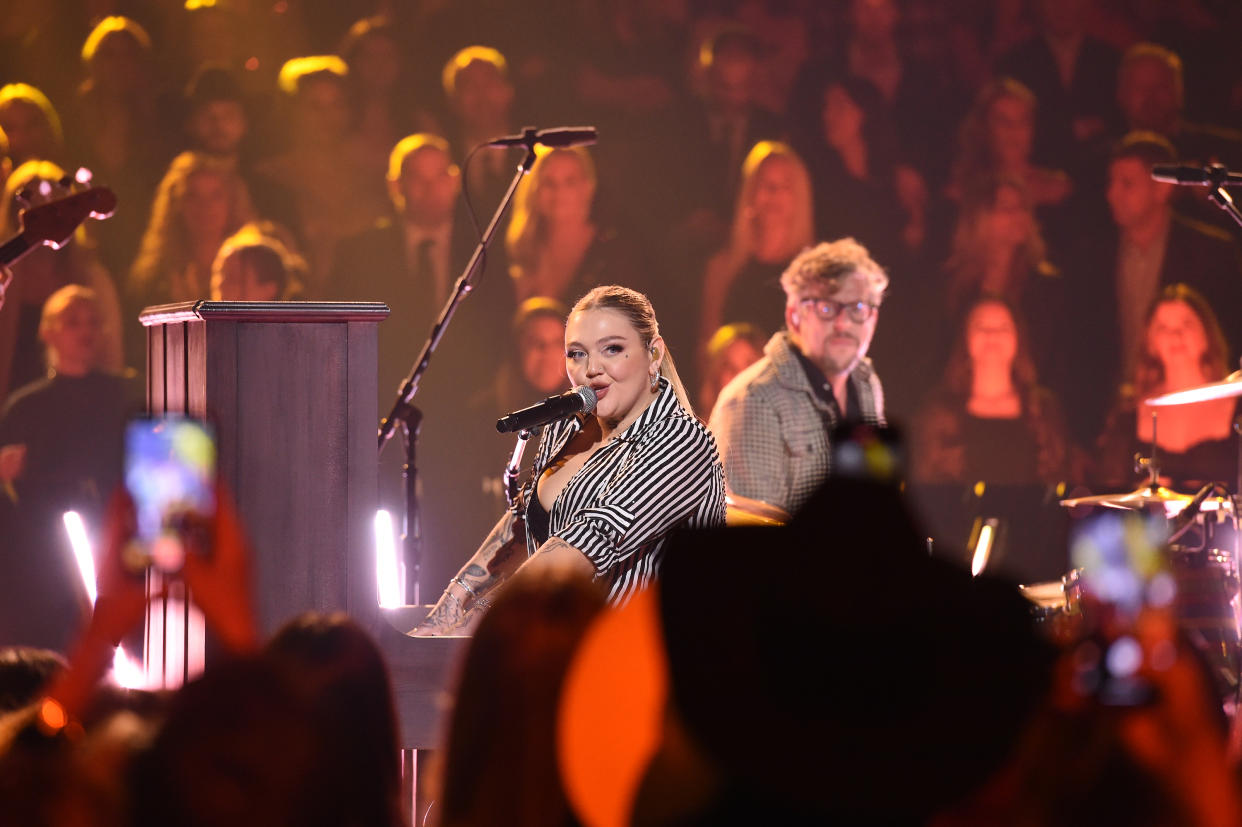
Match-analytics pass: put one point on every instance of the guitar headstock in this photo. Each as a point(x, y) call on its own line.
point(53, 221)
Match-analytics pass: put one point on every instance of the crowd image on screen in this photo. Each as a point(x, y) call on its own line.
point(992, 158)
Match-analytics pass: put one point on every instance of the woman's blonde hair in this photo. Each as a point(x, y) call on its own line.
point(112, 25)
point(528, 230)
point(976, 164)
point(32, 96)
point(165, 244)
point(638, 311)
point(741, 247)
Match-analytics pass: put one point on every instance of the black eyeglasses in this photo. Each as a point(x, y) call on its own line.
point(827, 309)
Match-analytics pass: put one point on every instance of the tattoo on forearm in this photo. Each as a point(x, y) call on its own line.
point(446, 616)
point(497, 558)
point(553, 544)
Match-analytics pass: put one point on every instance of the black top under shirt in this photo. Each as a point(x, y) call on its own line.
point(537, 517)
point(823, 391)
point(660, 474)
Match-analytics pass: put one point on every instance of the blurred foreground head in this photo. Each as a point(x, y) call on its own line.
point(500, 759)
point(828, 671)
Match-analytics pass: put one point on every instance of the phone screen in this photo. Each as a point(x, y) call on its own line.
point(170, 467)
point(1124, 571)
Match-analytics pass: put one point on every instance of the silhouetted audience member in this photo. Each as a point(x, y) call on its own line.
point(479, 96)
point(996, 140)
point(411, 261)
point(1074, 77)
point(773, 220)
point(200, 202)
point(25, 672)
point(533, 369)
point(61, 441)
point(1151, 94)
point(832, 739)
point(1182, 346)
point(333, 194)
point(249, 41)
point(726, 120)
point(730, 350)
point(536, 366)
point(115, 130)
point(256, 265)
point(851, 164)
point(500, 758)
point(31, 124)
point(240, 745)
point(557, 246)
point(1154, 247)
point(784, 37)
point(631, 60)
point(41, 273)
point(998, 249)
point(379, 92)
point(341, 672)
point(989, 419)
point(914, 107)
point(218, 123)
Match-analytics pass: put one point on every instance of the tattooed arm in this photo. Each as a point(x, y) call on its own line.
point(501, 554)
point(455, 612)
point(556, 553)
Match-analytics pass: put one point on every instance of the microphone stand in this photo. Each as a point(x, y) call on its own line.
point(1218, 174)
point(404, 412)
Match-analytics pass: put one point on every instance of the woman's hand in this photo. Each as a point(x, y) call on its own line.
point(447, 617)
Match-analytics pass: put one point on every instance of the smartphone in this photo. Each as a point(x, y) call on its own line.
point(170, 471)
point(871, 452)
point(1123, 571)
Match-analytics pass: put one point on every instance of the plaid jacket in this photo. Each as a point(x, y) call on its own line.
point(773, 430)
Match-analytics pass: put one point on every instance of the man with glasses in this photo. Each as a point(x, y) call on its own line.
point(774, 420)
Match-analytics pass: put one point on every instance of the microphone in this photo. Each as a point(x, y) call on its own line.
point(579, 400)
point(1186, 517)
point(1214, 175)
point(557, 137)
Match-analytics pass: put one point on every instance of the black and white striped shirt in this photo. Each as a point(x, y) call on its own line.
point(661, 473)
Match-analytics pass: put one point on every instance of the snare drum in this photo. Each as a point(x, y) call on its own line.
point(1056, 605)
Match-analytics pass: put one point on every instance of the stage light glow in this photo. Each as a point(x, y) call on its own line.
point(983, 548)
point(387, 567)
point(126, 673)
point(81, 545)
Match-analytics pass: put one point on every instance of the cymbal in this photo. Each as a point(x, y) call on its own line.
point(1228, 388)
point(1134, 500)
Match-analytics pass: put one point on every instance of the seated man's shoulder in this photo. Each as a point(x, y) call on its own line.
point(759, 380)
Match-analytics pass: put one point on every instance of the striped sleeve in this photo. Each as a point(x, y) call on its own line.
point(659, 485)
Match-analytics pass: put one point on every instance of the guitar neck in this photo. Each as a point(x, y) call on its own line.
point(13, 249)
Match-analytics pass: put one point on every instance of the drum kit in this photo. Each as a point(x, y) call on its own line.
point(1203, 546)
